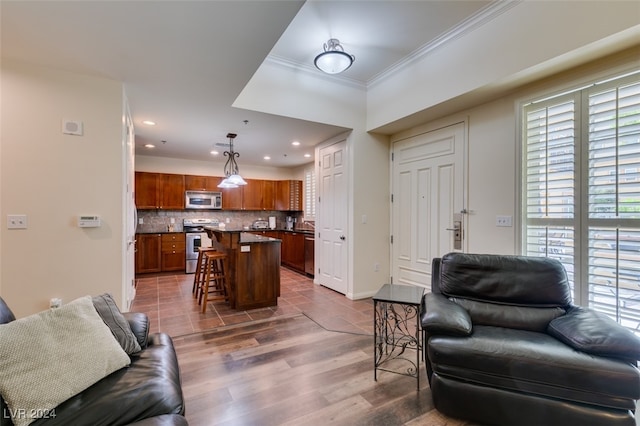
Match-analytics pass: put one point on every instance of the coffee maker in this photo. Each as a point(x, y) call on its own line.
point(288, 224)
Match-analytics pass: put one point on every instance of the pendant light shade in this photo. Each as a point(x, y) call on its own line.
point(334, 59)
point(231, 171)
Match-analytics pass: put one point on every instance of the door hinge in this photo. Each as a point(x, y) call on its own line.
point(392, 239)
point(392, 198)
point(393, 156)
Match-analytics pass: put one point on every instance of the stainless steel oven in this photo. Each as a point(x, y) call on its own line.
point(196, 237)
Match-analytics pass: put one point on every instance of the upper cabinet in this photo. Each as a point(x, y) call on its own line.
point(257, 194)
point(288, 195)
point(201, 183)
point(159, 191)
point(166, 191)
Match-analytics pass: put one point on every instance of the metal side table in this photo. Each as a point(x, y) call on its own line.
point(396, 330)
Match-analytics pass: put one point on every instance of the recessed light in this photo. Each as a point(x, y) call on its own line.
point(295, 143)
point(149, 122)
point(149, 145)
point(266, 157)
point(307, 155)
point(214, 152)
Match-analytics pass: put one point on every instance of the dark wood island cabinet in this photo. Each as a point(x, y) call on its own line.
point(254, 263)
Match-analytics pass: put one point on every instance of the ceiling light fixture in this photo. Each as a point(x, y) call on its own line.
point(149, 122)
point(334, 59)
point(231, 171)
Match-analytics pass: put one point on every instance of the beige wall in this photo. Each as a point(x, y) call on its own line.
point(147, 163)
point(494, 156)
point(53, 178)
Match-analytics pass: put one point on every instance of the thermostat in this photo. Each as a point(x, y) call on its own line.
point(88, 221)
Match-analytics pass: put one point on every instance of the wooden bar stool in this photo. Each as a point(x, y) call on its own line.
point(198, 277)
point(215, 286)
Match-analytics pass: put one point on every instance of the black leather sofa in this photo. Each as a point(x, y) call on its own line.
point(505, 345)
point(146, 393)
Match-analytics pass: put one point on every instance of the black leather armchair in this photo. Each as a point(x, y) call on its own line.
point(505, 345)
point(148, 392)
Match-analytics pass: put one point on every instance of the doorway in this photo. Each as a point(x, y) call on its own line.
point(429, 193)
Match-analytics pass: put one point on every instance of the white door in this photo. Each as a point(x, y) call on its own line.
point(332, 213)
point(428, 193)
point(130, 213)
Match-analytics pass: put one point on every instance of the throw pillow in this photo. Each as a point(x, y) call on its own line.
point(593, 332)
point(119, 326)
point(51, 356)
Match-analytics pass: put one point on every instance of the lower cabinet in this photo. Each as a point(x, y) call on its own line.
point(173, 252)
point(160, 252)
point(293, 250)
point(148, 248)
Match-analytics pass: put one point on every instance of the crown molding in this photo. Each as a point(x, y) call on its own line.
point(308, 69)
point(475, 21)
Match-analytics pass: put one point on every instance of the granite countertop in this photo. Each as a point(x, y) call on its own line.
point(232, 230)
point(247, 237)
point(159, 232)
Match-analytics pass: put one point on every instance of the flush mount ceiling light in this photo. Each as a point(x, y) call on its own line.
point(334, 59)
point(231, 171)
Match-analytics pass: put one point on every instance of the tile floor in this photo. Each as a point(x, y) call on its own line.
point(171, 307)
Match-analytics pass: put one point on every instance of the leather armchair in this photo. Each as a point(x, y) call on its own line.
point(505, 345)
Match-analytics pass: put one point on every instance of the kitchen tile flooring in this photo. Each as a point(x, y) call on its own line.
point(172, 309)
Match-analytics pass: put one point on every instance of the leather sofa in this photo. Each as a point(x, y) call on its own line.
point(146, 393)
point(504, 344)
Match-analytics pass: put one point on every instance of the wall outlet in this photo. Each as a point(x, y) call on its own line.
point(376, 267)
point(505, 221)
point(17, 221)
point(140, 221)
point(172, 220)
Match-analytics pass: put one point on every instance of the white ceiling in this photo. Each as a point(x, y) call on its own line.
point(183, 63)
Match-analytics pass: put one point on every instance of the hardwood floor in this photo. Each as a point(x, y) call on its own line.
point(291, 371)
point(308, 361)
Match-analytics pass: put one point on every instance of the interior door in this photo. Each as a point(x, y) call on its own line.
point(331, 222)
point(428, 198)
point(130, 224)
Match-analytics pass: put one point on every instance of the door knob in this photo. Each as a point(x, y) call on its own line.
point(342, 237)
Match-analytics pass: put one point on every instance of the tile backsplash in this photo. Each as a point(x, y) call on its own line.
point(159, 220)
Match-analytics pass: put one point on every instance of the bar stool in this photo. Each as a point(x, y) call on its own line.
point(198, 277)
point(215, 285)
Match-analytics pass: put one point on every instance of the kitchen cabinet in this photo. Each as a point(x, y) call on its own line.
point(257, 194)
point(201, 183)
point(309, 255)
point(288, 195)
point(231, 198)
point(173, 252)
point(293, 250)
point(159, 191)
point(148, 248)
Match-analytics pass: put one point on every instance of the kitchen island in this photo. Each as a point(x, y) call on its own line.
point(254, 267)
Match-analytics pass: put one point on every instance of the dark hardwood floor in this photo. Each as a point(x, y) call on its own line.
point(291, 371)
point(307, 361)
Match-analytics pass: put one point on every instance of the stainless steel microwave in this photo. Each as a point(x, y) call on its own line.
point(203, 200)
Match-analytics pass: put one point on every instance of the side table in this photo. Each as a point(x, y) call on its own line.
point(396, 329)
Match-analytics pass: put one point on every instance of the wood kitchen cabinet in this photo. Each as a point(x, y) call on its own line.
point(148, 248)
point(293, 250)
point(288, 195)
point(173, 252)
point(201, 183)
point(257, 194)
point(159, 191)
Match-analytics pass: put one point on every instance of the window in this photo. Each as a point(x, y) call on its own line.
point(310, 194)
point(581, 192)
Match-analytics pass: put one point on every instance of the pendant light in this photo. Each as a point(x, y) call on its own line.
point(231, 171)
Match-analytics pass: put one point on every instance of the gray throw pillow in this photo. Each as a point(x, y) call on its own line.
point(119, 326)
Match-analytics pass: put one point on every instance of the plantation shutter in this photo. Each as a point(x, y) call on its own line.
point(581, 192)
